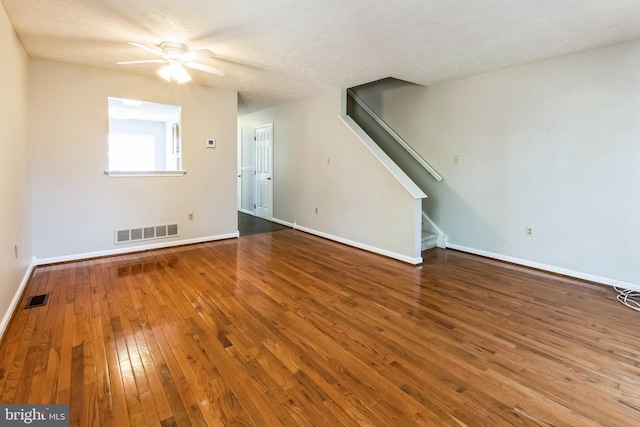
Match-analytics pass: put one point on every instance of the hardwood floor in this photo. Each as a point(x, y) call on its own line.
point(289, 329)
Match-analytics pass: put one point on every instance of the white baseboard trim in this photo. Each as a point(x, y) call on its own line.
point(362, 246)
point(247, 212)
point(16, 298)
point(549, 268)
point(358, 245)
point(131, 249)
point(285, 223)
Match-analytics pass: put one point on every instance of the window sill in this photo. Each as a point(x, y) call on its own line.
point(125, 174)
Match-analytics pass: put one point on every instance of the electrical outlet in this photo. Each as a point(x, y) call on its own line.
point(529, 231)
point(456, 160)
point(190, 216)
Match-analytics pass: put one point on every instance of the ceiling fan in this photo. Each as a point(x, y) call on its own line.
point(177, 56)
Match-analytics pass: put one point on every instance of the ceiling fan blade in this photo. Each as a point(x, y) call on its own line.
point(148, 61)
point(198, 54)
point(205, 68)
point(146, 47)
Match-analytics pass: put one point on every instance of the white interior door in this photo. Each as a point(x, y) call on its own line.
point(264, 171)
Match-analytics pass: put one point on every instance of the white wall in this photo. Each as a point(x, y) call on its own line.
point(14, 174)
point(356, 197)
point(76, 207)
point(554, 145)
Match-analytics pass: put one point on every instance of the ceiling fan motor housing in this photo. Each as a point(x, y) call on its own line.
point(173, 50)
point(177, 55)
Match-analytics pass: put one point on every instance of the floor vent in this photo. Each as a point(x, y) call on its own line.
point(148, 232)
point(37, 301)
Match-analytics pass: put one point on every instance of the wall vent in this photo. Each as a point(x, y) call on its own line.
point(148, 232)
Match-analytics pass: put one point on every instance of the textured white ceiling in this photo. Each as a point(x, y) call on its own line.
point(279, 50)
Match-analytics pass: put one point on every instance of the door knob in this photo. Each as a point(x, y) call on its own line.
point(268, 178)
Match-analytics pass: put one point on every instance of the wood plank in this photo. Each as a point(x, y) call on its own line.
point(290, 329)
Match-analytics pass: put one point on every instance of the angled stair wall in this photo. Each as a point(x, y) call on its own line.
point(402, 154)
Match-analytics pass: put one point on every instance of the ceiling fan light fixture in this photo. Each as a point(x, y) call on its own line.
point(177, 56)
point(174, 71)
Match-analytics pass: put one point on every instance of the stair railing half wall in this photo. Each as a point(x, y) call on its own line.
point(395, 136)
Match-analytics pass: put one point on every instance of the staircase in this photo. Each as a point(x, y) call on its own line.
point(418, 170)
point(429, 240)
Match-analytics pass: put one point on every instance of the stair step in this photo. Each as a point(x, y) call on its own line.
point(429, 240)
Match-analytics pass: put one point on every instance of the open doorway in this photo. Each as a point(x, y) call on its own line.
point(255, 181)
point(255, 172)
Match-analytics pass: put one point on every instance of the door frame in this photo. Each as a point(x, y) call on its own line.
point(239, 171)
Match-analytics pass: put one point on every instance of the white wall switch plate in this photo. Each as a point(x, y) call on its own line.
point(211, 143)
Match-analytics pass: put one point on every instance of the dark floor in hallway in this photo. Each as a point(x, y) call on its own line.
point(249, 224)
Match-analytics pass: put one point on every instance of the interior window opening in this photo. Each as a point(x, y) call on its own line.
point(143, 136)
